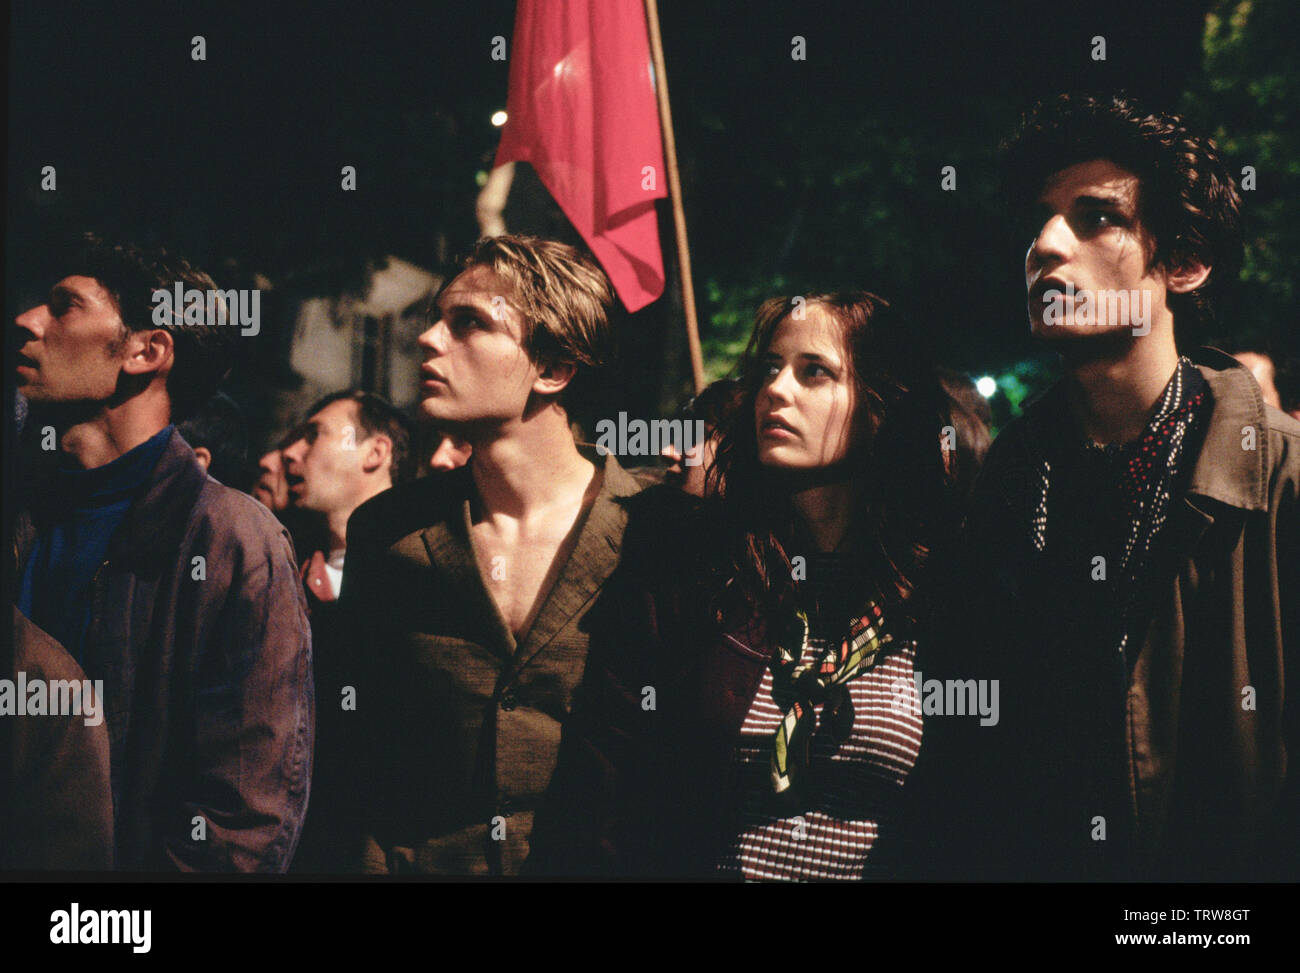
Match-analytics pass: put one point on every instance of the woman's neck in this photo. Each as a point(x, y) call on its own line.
point(824, 511)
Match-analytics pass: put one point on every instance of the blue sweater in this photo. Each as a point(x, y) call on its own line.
point(92, 503)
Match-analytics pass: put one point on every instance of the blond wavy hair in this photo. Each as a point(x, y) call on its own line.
point(563, 297)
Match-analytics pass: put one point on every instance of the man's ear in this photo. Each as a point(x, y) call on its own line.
point(204, 456)
point(553, 377)
point(378, 450)
point(148, 351)
point(1187, 277)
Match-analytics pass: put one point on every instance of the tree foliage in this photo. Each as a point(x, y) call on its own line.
point(1250, 88)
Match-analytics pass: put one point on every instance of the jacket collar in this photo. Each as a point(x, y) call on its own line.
point(155, 524)
point(1225, 469)
point(594, 557)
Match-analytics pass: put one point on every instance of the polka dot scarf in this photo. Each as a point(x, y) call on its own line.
point(1149, 475)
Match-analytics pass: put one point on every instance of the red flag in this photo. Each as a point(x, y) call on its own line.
point(582, 112)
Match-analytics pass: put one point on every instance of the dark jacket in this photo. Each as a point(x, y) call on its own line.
point(324, 833)
point(199, 630)
point(647, 751)
point(58, 810)
point(458, 726)
point(1182, 745)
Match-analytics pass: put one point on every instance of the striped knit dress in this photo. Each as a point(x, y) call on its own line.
point(850, 788)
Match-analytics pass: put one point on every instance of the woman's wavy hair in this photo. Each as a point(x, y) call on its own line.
point(904, 480)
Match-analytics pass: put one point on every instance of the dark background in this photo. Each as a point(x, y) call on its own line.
point(797, 174)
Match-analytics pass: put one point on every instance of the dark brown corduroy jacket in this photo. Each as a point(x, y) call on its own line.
point(199, 630)
point(456, 726)
point(1173, 762)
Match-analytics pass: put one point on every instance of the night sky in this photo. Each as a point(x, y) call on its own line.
point(236, 160)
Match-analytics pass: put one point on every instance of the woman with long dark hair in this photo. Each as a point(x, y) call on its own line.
point(769, 635)
point(838, 489)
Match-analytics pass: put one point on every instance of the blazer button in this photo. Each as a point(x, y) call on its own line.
point(508, 701)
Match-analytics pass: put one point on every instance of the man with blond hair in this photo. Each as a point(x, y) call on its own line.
point(468, 591)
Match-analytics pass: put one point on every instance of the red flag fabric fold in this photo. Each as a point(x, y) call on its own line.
point(582, 112)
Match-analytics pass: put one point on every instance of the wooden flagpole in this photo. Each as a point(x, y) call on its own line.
point(675, 194)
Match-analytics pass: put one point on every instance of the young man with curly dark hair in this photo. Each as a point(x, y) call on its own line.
point(1131, 538)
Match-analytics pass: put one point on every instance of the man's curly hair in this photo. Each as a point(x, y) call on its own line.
point(1187, 200)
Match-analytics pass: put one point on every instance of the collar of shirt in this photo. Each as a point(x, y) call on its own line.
point(112, 482)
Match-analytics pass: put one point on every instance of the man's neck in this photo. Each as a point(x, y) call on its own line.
point(529, 467)
point(113, 432)
point(1111, 394)
point(337, 520)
